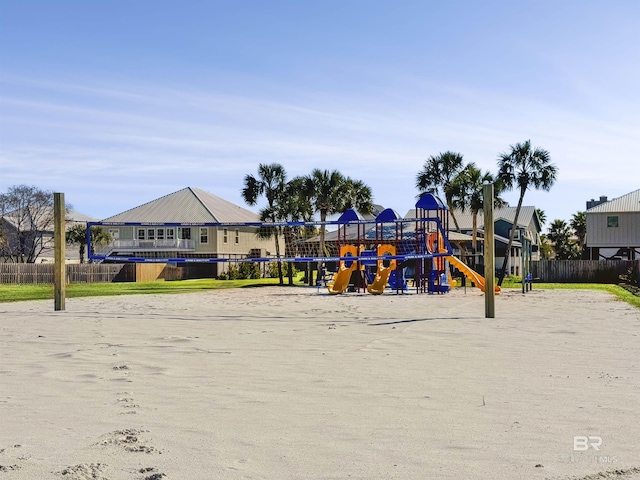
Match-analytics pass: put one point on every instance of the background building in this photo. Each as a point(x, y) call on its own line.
point(613, 228)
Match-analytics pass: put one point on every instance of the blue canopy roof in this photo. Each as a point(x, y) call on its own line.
point(428, 201)
point(388, 215)
point(350, 215)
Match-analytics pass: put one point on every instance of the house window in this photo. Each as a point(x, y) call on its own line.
point(612, 221)
point(160, 234)
point(225, 235)
point(170, 234)
point(141, 234)
point(184, 233)
point(237, 236)
point(204, 235)
point(151, 234)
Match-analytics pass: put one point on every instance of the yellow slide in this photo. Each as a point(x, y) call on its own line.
point(472, 275)
point(382, 272)
point(342, 277)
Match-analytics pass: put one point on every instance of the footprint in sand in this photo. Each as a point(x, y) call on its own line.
point(130, 440)
point(129, 405)
point(84, 471)
point(9, 468)
point(151, 473)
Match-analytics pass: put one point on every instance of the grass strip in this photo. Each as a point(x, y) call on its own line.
point(17, 293)
point(619, 292)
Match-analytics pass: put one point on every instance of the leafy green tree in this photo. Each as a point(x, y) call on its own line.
point(438, 176)
point(523, 168)
point(269, 183)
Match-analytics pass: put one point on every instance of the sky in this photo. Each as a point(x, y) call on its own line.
point(119, 102)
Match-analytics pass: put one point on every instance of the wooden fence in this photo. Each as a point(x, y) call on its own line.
point(582, 271)
point(42, 273)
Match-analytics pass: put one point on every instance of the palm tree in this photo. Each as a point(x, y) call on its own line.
point(560, 235)
point(325, 191)
point(579, 224)
point(438, 174)
point(77, 235)
point(358, 196)
point(99, 237)
point(468, 193)
point(270, 184)
point(523, 168)
point(294, 206)
point(542, 216)
point(331, 192)
point(546, 248)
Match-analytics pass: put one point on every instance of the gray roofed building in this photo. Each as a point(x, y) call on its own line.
point(189, 205)
point(465, 219)
point(182, 225)
point(626, 203)
point(613, 228)
point(33, 228)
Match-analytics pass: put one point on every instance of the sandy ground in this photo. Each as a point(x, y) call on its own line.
point(292, 383)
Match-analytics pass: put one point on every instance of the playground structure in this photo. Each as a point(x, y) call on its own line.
point(360, 255)
point(398, 250)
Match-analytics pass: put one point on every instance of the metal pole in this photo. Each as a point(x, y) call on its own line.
point(523, 264)
point(489, 254)
point(59, 241)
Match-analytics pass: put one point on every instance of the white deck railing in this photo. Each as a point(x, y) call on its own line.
point(145, 245)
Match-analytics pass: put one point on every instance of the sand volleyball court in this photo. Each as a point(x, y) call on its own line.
point(292, 383)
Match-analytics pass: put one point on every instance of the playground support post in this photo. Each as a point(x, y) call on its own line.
point(489, 254)
point(525, 258)
point(59, 241)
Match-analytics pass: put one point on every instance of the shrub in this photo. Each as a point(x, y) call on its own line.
point(631, 277)
point(249, 270)
point(241, 271)
point(272, 269)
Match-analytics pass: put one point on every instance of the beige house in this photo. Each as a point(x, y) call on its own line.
point(187, 226)
point(613, 228)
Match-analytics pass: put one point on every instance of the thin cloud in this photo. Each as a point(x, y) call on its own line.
point(193, 135)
